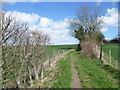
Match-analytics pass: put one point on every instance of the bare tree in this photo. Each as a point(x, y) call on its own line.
point(10, 31)
point(84, 27)
point(41, 41)
point(34, 52)
point(23, 53)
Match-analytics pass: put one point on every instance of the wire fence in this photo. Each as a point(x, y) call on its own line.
point(109, 60)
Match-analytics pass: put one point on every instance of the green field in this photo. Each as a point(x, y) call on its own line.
point(110, 52)
point(58, 49)
point(113, 48)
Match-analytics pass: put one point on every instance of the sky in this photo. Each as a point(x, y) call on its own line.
point(53, 18)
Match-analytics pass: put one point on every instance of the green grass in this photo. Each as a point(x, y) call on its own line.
point(63, 47)
point(114, 50)
point(95, 74)
point(58, 49)
point(64, 73)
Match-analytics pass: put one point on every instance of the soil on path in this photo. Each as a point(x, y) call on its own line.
point(76, 82)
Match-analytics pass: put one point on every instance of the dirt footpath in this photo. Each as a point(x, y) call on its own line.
point(76, 82)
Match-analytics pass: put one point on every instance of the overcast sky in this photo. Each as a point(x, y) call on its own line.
point(53, 17)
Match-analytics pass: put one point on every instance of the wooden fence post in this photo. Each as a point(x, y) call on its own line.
point(49, 61)
point(110, 55)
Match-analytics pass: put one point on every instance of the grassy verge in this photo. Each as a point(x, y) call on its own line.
point(64, 73)
point(95, 74)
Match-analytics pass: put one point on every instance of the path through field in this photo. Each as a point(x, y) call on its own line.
point(76, 82)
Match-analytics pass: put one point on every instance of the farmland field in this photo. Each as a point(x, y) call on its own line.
point(60, 47)
point(114, 50)
point(57, 49)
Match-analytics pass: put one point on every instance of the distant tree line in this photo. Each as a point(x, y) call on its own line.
point(114, 40)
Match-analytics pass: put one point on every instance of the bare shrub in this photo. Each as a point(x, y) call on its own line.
point(23, 53)
point(89, 47)
point(88, 50)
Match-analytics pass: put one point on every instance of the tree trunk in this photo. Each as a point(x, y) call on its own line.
point(30, 75)
point(18, 82)
point(36, 74)
point(42, 74)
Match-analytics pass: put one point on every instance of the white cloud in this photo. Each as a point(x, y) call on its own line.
point(111, 17)
point(60, 24)
point(104, 29)
point(57, 36)
point(29, 18)
point(45, 22)
point(107, 39)
point(57, 30)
